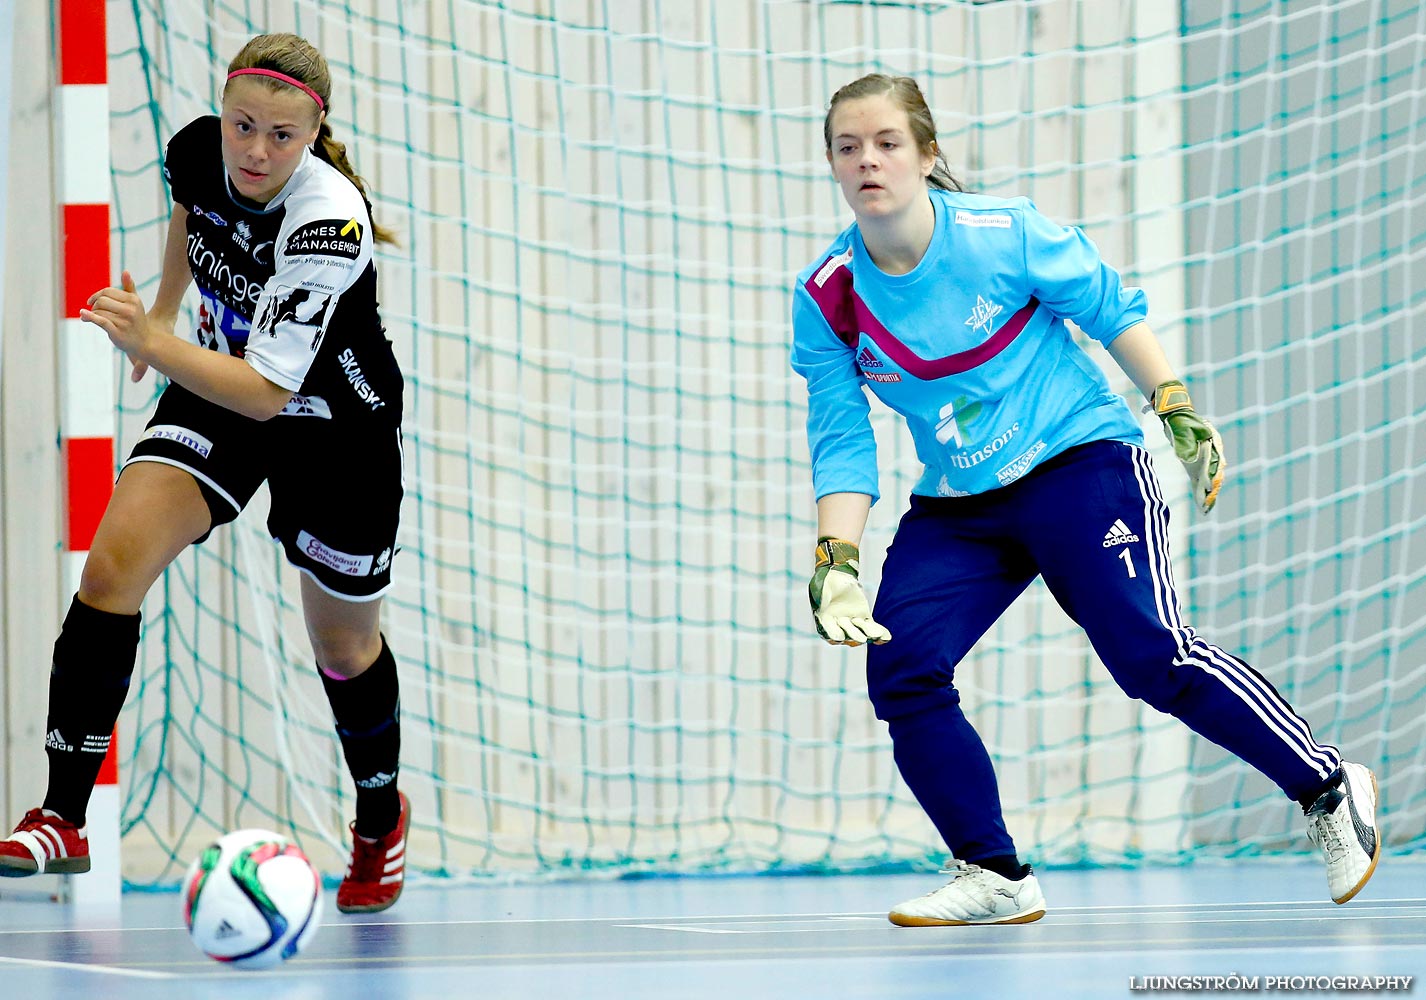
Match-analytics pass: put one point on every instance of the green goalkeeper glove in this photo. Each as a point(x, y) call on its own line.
point(1194, 440)
point(839, 605)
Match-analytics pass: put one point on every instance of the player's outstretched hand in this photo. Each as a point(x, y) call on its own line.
point(120, 313)
point(839, 604)
point(1195, 441)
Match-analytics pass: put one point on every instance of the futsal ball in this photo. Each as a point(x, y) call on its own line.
point(252, 899)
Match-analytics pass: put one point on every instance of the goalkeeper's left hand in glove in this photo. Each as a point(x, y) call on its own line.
point(1194, 440)
point(839, 605)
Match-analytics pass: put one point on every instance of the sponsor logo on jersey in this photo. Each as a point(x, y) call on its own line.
point(382, 561)
point(829, 268)
point(969, 460)
point(325, 238)
point(945, 489)
point(180, 435)
point(306, 406)
point(299, 306)
point(982, 314)
point(212, 217)
point(352, 370)
point(867, 359)
point(378, 780)
point(215, 267)
point(1119, 534)
point(946, 427)
point(1021, 465)
point(55, 741)
point(242, 236)
point(221, 328)
point(343, 562)
point(979, 221)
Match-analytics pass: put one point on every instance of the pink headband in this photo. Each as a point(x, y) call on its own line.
point(285, 79)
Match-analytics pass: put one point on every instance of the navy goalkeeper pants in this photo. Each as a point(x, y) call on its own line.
point(1093, 523)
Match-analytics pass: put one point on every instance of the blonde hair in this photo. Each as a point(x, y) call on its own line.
point(298, 58)
point(907, 96)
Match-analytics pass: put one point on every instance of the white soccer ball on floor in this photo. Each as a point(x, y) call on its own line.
point(252, 899)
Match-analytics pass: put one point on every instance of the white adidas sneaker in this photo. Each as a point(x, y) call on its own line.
point(973, 896)
point(1343, 823)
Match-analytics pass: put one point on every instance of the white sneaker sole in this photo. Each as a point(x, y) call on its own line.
point(906, 920)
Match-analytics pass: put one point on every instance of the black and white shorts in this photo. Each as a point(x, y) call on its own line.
point(336, 486)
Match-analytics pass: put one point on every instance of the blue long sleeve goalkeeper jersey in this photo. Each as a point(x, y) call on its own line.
point(970, 346)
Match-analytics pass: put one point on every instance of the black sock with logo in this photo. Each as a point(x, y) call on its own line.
point(367, 711)
point(89, 680)
point(1332, 782)
point(1005, 865)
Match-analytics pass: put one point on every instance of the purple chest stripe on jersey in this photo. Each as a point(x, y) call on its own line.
point(848, 316)
point(927, 369)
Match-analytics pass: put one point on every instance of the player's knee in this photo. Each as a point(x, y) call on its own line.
point(346, 654)
point(901, 696)
point(1155, 686)
point(109, 582)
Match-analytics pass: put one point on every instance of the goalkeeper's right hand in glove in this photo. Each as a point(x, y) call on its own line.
point(839, 605)
point(1194, 440)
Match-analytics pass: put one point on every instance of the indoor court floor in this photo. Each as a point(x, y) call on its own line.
point(747, 938)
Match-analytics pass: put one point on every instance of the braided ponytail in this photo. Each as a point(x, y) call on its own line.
point(335, 153)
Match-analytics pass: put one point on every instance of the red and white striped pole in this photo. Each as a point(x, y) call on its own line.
point(87, 361)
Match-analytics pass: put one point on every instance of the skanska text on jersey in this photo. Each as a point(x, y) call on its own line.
point(352, 371)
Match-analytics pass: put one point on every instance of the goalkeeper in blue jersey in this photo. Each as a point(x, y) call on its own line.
point(951, 308)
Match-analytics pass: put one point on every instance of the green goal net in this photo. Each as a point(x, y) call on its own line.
point(599, 607)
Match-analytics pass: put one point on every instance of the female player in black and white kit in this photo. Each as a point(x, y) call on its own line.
point(292, 382)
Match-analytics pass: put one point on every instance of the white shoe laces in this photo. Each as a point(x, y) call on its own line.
point(1327, 834)
point(958, 868)
point(971, 880)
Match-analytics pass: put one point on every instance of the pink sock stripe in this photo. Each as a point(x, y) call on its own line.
point(274, 74)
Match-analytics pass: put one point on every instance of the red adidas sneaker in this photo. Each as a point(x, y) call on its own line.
point(378, 868)
point(44, 843)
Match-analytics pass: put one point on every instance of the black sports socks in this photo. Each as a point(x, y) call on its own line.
point(1334, 780)
point(89, 680)
point(367, 711)
point(1005, 865)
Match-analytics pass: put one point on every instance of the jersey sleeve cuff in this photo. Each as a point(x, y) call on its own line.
point(274, 376)
point(1126, 323)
